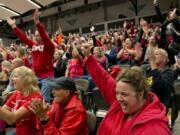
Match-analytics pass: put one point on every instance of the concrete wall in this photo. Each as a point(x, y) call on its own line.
point(75, 21)
point(7, 42)
point(145, 8)
point(92, 17)
point(81, 20)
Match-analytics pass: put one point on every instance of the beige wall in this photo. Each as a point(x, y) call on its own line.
point(96, 16)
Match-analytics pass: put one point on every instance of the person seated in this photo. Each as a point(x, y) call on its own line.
point(111, 57)
point(133, 109)
point(15, 110)
point(21, 53)
point(99, 55)
point(151, 45)
point(75, 67)
point(67, 115)
point(127, 54)
point(17, 62)
point(161, 75)
point(6, 68)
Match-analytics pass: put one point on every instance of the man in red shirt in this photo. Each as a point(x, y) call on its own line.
point(42, 52)
point(15, 110)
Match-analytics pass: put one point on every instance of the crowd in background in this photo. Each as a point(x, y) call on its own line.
point(154, 48)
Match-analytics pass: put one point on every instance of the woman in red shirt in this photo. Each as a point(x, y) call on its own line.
point(75, 64)
point(100, 57)
point(15, 110)
point(127, 54)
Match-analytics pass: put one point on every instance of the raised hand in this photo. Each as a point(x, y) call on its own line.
point(86, 48)
point(60, 30)
point(173, 14)
point(11, 22)
point(92, 28)
point(36, 16)
point(39, 108)
point(155, 2)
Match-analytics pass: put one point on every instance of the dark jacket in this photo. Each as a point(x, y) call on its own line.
point(162, 84)
point(60, 68)
point(112, 60)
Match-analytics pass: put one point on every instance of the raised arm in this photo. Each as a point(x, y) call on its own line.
point(103, 80)
point(75, 51)
point(44, 35)
point(21, 35)
point(158, 11)
point(94, 40)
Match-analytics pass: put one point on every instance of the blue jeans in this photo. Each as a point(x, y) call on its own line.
point(45, 89)
point(92, 85)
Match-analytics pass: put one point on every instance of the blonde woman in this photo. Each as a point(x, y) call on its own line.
point(15, 110)
point(162, 75)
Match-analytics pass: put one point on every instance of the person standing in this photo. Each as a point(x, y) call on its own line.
point(42, 53)
point(15, 110)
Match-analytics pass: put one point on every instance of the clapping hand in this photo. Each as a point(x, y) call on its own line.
point(39, 107)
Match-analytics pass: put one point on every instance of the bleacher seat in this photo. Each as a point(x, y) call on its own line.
point(91, 122)
point(82, 85)
point(100, 105)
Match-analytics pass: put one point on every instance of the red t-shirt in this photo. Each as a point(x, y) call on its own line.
point(26, 62)
point(30, 125)
point(126, 56)
point(75, 68)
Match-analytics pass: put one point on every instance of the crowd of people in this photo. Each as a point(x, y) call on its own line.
point(38, 91)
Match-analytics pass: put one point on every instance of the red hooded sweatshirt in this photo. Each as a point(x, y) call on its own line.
point(42, 53)
point(151, 120)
